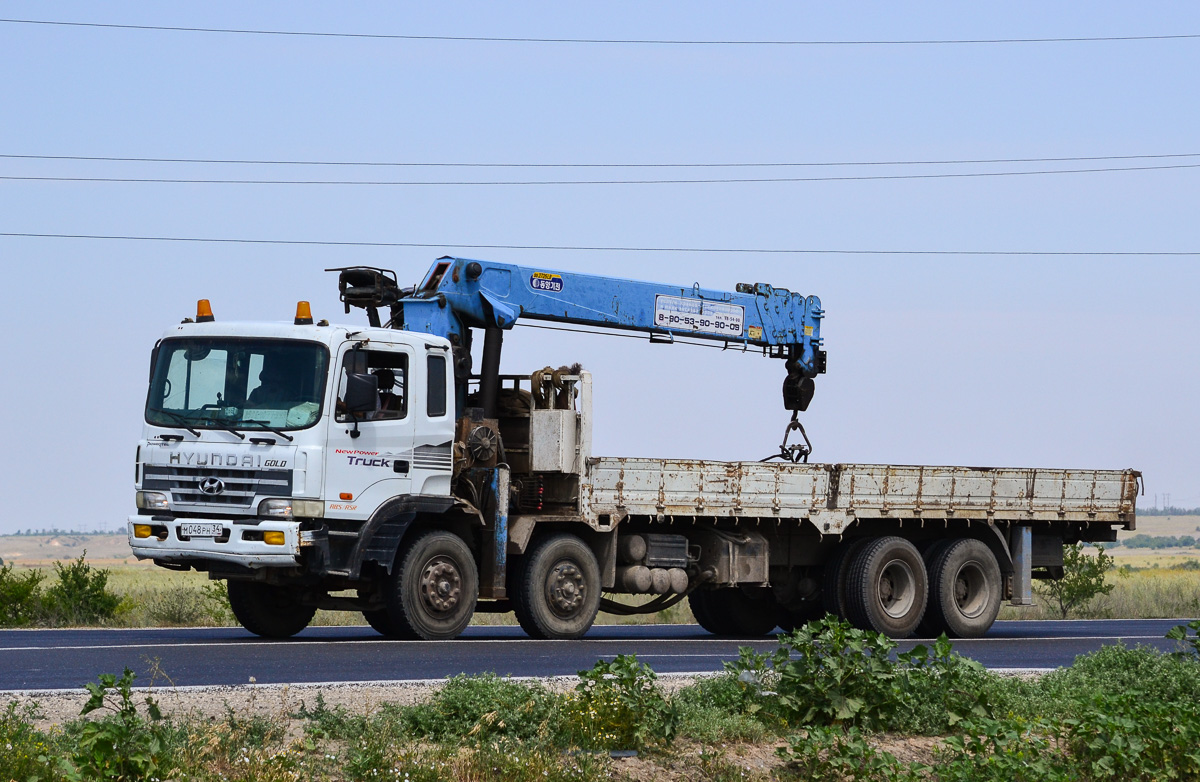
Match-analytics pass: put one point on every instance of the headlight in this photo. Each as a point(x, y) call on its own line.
point(287, 509)
point(275, 509)
point(309, 509)
point(153, 500)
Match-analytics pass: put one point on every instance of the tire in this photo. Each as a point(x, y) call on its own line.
point(790, 619)
point(833, 578)
point(931, 625)
point(886, 588)
point(700, 602)
point(382, 623)
point(730, 612)
point(557, 589)
point(268, 610)
point(432, 591)
point(966, 588)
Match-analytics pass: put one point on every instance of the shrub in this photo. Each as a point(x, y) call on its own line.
point(1180, 633)
point(1126, 736)
point(938, 688)
point(179, 605)
point(81, 595)
point(824, 672)
point(25, 752)
point(477, 709)
point(216, 595)
point(20, 597)
point(322, 722)
point(1083, 579)
point(718, 709)
point(121, 745)
point(618, 705)
point(837, 755)
point(1156, 676)
point(1008, 750)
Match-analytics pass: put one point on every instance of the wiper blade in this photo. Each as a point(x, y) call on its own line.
point(228, 428)
point(267, 425)
point(216, 423)
point(176, 417)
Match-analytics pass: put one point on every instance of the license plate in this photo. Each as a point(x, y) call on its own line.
point(200, 530)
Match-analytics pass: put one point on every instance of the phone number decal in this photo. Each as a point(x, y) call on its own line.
point(544, 281)
point(706, 317)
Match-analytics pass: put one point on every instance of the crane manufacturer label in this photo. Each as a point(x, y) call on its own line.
point(698, 315)
point(544, 281)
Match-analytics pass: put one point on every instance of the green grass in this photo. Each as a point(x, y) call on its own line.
point(1151, 587)
point(1165, 592)
point(1118, 713)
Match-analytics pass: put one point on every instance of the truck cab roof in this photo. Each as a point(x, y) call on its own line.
point(329, 335)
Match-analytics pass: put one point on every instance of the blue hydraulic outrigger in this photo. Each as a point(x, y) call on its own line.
point(459, 295)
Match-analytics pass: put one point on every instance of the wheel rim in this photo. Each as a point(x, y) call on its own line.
point(896, 589)
point(566, 588)
point(970, 590)
point(441, 585)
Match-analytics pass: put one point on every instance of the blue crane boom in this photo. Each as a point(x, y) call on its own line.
point(458, 295)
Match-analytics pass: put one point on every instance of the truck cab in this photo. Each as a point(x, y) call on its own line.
point(253, 440)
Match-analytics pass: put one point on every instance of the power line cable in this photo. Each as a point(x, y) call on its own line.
point(413, 164)
point(543, 182)
point(611, 248)
point(633, 41)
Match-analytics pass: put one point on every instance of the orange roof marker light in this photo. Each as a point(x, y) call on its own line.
point(303, 314)
point(204, 312)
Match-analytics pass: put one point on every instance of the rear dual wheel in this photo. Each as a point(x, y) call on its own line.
point(965, 589)
point(886, 587)
point(833, 579)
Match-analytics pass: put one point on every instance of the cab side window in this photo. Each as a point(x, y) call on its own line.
point(435, 405)
point(391, 370)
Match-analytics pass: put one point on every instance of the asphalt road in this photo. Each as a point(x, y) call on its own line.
point(66, 659)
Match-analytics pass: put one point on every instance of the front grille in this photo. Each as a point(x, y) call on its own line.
point(238, 487)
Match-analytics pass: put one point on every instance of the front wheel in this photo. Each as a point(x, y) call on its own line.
point(268, 610)
point(433, 588)
point(381, 622)
point(557, 589)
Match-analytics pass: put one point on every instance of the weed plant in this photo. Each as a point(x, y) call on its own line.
point(26, 753)
point(846, 755)
point(479, 710)
point(1117, 714)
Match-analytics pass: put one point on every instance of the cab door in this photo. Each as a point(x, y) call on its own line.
point(369, 456)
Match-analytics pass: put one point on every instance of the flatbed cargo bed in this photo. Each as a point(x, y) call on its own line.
point(835, 496)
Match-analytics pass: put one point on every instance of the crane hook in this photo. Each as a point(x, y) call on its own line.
point(795, 453)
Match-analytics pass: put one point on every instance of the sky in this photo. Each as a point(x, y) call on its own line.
point(1084, 361)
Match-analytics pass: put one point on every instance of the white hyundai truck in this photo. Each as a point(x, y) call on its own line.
point(372, 469)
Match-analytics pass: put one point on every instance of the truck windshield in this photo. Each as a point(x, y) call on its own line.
point(215, 383)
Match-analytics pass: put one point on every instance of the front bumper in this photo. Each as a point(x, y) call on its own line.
point(233, 546)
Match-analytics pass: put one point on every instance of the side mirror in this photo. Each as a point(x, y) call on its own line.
point(362, 393)
point(356, 362)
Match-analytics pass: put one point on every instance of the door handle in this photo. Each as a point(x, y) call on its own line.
point(400, 466)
